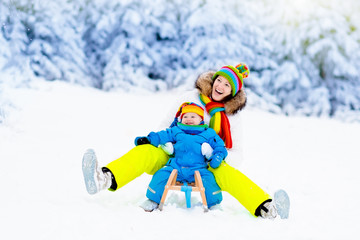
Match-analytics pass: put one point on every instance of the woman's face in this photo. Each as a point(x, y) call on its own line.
point(221, 89)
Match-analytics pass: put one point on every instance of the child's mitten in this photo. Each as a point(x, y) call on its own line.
point(141, 141)
point(215, 161)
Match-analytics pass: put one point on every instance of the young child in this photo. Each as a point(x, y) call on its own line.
point(188, 137)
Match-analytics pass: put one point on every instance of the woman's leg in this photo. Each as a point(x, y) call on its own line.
point(231, 180)
point(140, 159)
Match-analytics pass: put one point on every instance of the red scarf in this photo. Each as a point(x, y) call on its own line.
point(218, 119)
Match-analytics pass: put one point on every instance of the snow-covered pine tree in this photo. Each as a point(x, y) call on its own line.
point(317, 47)
point(304, 55)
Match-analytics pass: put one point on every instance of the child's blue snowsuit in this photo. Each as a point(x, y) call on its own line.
point(188, 158)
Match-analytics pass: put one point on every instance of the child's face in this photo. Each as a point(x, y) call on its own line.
point(191, 118)
point(221, 89)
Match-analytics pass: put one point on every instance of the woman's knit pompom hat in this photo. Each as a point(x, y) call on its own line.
point(234, 75)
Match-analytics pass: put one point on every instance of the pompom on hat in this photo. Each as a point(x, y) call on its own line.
point(234, 75)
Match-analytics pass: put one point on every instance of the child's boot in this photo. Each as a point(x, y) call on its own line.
point(149, 205)
point(95, 179)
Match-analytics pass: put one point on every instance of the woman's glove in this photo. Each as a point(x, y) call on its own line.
point(141, 141)
point(206, 150)
point(215, 161)
point(168, 148)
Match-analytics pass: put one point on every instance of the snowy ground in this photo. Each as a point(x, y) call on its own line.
point(44, 197)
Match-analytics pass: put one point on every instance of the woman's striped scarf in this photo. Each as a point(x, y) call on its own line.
point(218, 119)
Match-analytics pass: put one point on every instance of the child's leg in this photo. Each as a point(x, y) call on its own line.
point(157, 185)
point(231, 180)
point(140, 159)
point(212, 190)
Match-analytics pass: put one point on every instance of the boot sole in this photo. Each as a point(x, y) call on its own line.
point(282, 202)
point(88, 167)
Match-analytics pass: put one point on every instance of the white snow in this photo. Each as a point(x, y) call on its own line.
point(51, 125)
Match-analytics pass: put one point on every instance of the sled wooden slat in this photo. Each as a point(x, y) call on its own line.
point(172, 184)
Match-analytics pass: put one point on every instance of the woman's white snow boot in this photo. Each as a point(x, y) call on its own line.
point(268, 210)
point(95, 179)
point(279, 206)
point(271, 212)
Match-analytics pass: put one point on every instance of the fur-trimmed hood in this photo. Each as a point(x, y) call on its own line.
point(204, 84)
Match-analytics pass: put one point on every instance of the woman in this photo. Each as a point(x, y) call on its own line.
point(222, 94)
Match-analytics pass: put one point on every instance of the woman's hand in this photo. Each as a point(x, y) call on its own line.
point(206, 150)
point(168, 148)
